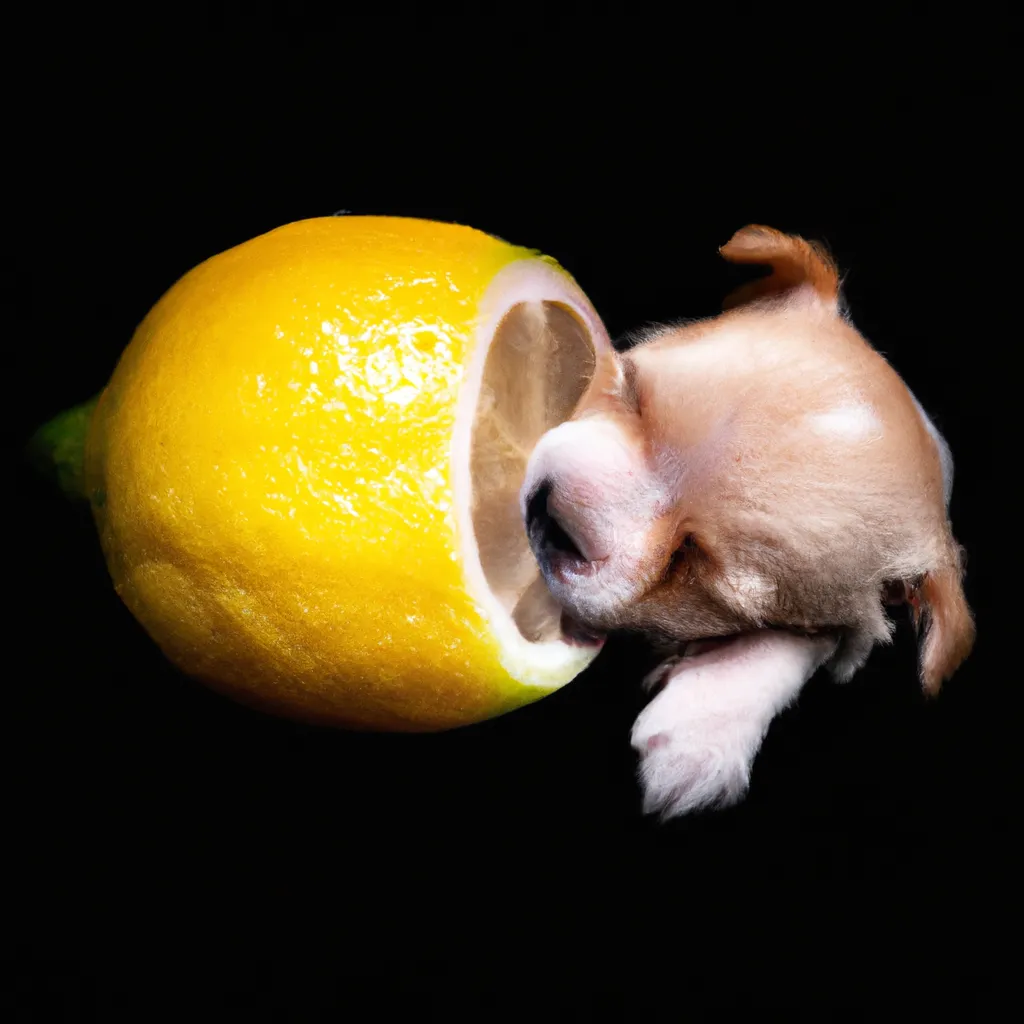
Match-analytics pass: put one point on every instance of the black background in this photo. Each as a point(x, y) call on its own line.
point(174, 853)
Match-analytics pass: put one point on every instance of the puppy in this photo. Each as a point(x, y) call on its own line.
point(749, 491)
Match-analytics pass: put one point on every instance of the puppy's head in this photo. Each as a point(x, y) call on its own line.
point(764, 469)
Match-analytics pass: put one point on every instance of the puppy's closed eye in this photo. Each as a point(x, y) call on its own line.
point(685, 555)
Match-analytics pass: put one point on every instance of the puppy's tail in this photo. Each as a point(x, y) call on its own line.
point(798, 266)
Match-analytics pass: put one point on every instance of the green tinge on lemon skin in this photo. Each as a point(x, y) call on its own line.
point(57, 449)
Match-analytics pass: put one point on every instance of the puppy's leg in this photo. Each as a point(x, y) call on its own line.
point(698, 738)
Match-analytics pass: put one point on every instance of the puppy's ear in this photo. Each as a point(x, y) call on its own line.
point(796, 265)
point(611, 383)
point(944, 623)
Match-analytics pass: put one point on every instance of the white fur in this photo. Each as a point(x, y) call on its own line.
point(605, 499)
point(593, 459)
point(698, 738)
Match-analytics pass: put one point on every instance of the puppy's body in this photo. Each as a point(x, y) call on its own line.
point(763, 478)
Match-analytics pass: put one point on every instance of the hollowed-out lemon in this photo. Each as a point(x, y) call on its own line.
point(305, 470)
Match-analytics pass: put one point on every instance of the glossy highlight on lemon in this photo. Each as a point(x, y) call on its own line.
point(305, 469)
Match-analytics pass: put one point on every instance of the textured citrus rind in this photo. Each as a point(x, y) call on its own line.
point(271, 472)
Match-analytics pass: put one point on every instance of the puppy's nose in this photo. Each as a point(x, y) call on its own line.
point(537, 515)
point(547, 536)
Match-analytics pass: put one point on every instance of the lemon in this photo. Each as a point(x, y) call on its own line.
point(305, 470)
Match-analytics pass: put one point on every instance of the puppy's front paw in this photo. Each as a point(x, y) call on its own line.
point(698, 737)
point(690, 759)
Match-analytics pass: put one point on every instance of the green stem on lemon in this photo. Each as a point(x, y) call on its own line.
point(57, 449)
